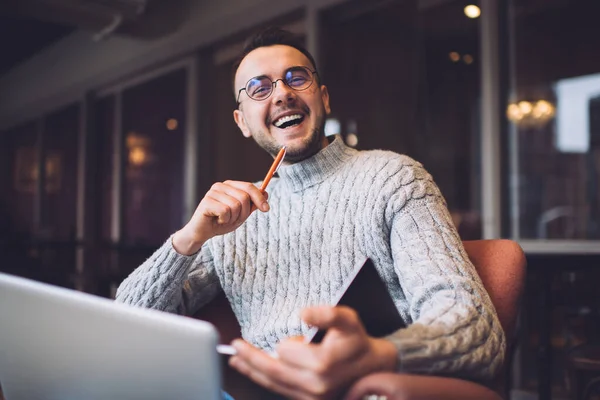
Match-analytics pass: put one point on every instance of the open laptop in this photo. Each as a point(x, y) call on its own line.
point(60, 344)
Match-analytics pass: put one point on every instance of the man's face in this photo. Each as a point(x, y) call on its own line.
point(262, 119)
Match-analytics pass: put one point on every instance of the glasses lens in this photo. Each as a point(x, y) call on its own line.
point(298, 78)
point(259, 88)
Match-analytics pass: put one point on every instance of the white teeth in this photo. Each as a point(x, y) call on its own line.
point(287, 118)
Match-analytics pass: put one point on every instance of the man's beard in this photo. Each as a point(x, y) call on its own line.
point(310, 146)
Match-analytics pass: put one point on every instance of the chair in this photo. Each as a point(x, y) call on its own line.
point(579, 303)
point(583, 367)
point(501, 265)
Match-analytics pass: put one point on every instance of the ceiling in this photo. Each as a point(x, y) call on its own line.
point(28, 26)
point(20, 38)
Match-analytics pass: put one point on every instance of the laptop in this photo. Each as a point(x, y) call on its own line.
point(60, 344)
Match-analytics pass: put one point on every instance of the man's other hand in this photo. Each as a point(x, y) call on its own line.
point(318, 371)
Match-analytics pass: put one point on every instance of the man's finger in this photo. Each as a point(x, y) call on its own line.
point(265, 370)
point(258, 198)
point(215, 208)
point(298, 354)
point(234, 205)
point(325, 317)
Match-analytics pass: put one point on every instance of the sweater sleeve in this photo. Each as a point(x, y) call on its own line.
point(455, 327)
point(171, 282)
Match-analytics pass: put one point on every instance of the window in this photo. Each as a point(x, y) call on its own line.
point(153, 118)
point(404, 76)
point(555, 114)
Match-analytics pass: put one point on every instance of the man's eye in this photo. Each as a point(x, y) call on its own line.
point(297, 80)
point(261, 89)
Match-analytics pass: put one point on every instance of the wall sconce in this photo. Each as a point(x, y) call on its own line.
point(530, 113)
point(138, 156)
point(139, 149)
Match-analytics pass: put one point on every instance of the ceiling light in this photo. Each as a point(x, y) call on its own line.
point(472, 11)
point(351, 140)
point(172, 124)
point(531, 114)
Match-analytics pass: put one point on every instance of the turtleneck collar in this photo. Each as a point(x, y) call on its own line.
point(316, 169)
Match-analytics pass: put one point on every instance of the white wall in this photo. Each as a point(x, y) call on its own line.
point(63, 72)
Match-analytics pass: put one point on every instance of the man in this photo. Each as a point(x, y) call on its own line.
point(281, 258)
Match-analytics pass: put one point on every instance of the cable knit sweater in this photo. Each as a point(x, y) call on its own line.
point(327, 213)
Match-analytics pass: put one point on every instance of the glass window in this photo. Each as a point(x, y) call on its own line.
point(18, 183)
point(555, 119)
point(404, 77)
point(153, 127)
point(61, 138)
point(19, 178)
point(104, 126)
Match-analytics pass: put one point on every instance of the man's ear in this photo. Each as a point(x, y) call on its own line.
point(325, 98)
point(238, 117)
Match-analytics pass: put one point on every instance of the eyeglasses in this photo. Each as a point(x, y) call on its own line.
point(260, 88)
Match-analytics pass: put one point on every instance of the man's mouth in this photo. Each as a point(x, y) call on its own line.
point(288, 121)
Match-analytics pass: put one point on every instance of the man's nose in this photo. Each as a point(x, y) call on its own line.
point(282, 93)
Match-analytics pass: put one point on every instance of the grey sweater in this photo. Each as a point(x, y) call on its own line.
point(327, 213)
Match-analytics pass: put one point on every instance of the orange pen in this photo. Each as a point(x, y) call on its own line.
point(273, 169)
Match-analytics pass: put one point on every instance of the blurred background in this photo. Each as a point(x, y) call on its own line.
point(116, 117)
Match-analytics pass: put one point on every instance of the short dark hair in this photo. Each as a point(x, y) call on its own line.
point(271, 36)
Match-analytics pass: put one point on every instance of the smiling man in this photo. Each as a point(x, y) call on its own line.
point(281, 259)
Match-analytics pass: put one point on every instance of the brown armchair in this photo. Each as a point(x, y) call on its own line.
point(501, 265)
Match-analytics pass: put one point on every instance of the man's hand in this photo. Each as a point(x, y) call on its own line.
point(318, 371)
point(222, 210)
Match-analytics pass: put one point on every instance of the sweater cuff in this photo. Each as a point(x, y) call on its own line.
point(413, 355)
point(177, 265)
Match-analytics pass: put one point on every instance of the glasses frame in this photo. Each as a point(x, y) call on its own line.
point(313, 74)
